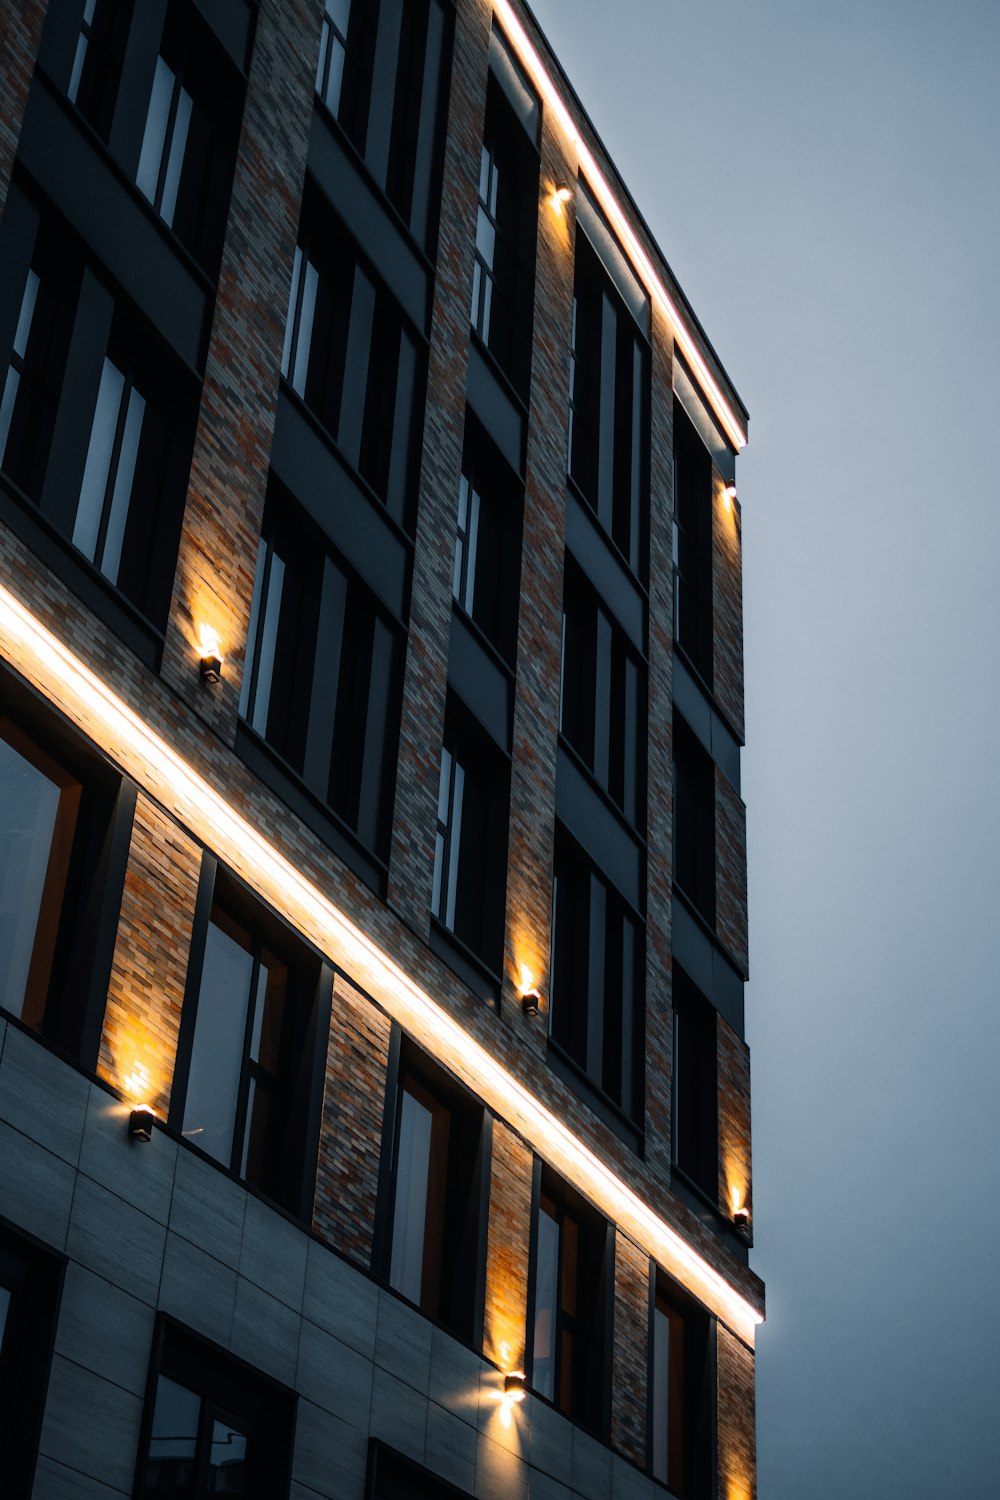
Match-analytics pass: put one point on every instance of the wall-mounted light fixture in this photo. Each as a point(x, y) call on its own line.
point(729, 494)
point(530, 1002)
point(741, 1218)
point(514, 1392)
point(210, 659)
point(140, 1123)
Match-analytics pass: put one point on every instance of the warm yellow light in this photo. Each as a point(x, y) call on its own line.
point(525, 978)
point(165, 776)
point(559, 198)
point(209, 641)
point(136, 1085)
point(535, 69)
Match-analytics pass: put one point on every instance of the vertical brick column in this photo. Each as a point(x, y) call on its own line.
point(507, 1251)
point(631, 1353)
point(731, 871)
point(215, 569)
point(143, 1013)
point(734, 1119)
point(425, 681)
point(659, 766)
point(21, 23)
point(351, 1132)
point(736, 1444)
point(727, 591)
point(536, 700)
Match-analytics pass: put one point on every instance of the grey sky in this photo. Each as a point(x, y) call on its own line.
point(824, 181)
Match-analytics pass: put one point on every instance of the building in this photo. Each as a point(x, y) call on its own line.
point(374, 1103)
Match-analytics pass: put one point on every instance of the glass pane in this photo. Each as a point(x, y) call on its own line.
point(121, 496)
point(409, 1217)
point(335, 76)
point(74, 81)
point(274, 586)
point(87, 527)
point(173, 1439)
point(219, 1033)
point(10, 386)
point(293, 297)
point(661, 1385)
point(269, 1011)
point(454, 844)
point(175, 161)
point(227, 1461)
point(4, 1305)
point(26, 314)
point(257, 1136)
point(543, 1376)
point(155, 134)
point(339, 12)
point(304, 329)
point(38, 806)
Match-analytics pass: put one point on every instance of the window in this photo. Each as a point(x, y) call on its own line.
point(695, 1122)
point(487, 573)
point(97, 61)
point(97, 423)
point(322, 677)
point(64, 827)
point(393, 1477)
point(440, 1188)
point(598, 962)
point(609, 407)
point(572, 1291)
point(353, 360)
point(212, 1426)
point(503, 271)
point(680, 1401)
point(38, 359)
point(188, 151)
point(248, 1090)
point(603, 691)
point(30, 1282)
point(692, 545)
point(380, 74)
point(694, 820)
point(470, 846)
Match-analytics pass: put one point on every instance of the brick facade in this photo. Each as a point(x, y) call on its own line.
point(240, 385)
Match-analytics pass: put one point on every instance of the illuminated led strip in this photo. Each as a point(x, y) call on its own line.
point(534, 66)
point(163, 774)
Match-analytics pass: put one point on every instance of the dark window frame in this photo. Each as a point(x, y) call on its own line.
point(86, 926)
point(692, 1332)
point(695, 854)
point(609, 429)
point(592, 1370)
point(695, 1087)
point(229, 1386)
point(694, 624)
point(333, 612)
point(31, 1273)
point(290, 1177)
point(486, 578)
point(476, 916)
point(459, 1305)
point(570, 1022)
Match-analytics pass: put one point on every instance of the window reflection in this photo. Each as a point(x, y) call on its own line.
point(39, 803)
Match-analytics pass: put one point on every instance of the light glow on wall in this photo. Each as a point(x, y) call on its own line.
point(165, 776)
point(533, 66)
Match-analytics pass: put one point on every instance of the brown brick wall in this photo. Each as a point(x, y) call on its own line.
point(351, 1135)
point(731, 872)
point(737, 1451)
point(508, 1249)
point(659, 803)
point(735, 1176)
point(139, 1038)
point(425, 680)
point(727, 566)
point(225, 502)
point(21, 24)
point(536, 699)
point(631, 1356)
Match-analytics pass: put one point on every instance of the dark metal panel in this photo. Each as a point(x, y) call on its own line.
point(707, 966)
point(355, 523)
point(496, 409)
point(364, 211)
point(706, 722)
point(583, 811)
point(480, 682)
point(78, 178)
point(616, 586)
